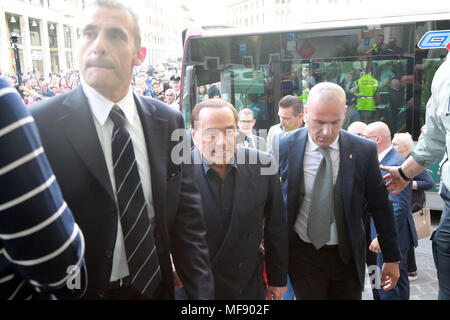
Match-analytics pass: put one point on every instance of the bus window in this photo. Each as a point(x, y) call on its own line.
point(245, 88)
point(385, 76)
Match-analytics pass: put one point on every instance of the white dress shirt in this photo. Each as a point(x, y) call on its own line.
point(100, 108)
point(311, 162)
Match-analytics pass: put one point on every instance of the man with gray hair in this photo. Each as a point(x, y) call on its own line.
point(333, 176)
point(110, 151)
point(246, 136)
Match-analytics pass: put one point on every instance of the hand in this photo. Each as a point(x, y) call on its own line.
point(176, 280)
point(389, 275)
point(275, 293)
point(375, 246)
point(396, 183)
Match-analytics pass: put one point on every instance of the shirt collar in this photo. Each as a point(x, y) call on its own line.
point(384, 153)
point(312, 146)
point(101, 106)
point(207, 167)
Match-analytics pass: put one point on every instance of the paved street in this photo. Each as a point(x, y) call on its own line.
point(426, 286)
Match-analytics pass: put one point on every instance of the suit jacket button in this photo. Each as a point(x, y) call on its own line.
point(109, 253)
point(240, 265)
point(101, 294)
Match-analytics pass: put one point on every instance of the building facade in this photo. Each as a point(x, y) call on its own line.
point(248, 13)
point(162, 23)
point(48, 31)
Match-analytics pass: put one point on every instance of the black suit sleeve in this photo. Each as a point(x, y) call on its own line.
point(188, 238)
point(275, 234)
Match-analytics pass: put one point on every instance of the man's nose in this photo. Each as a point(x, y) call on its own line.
point(326, 129)
point(99, 45)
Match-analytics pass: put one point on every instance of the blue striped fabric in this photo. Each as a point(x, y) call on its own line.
point(39, 239)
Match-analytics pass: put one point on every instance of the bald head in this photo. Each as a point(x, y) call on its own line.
point(357, 128)
point(327, 91)
point(325, 113)
point(380, 133)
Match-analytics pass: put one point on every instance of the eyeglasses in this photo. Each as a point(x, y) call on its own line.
point(395, 144)
point(246, 121)
point(169, 95)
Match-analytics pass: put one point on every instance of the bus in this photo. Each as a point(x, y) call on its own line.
point(385, 75)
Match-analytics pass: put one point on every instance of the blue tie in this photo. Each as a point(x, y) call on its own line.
point(140, 246)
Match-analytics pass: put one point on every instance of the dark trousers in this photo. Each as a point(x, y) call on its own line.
point(411, 260)
point(321, 274)
point(441, 248)
point(129, 293)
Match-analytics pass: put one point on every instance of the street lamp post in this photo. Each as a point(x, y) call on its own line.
point(14, 38)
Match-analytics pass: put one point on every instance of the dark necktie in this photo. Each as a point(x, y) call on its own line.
point(249, 142)
point(321, 208)
point(145, 274)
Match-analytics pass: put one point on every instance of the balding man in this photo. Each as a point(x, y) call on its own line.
point(387, 156)
point(357, 128)
point(332, 177)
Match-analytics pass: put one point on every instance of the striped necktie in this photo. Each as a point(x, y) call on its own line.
point(140, 246)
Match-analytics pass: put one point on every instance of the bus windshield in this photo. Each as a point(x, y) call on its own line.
point(385, 76)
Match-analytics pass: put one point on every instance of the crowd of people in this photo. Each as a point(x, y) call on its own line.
point(160, 82)
point(136, 217)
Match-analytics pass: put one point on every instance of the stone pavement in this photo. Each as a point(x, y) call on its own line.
point(426, 285)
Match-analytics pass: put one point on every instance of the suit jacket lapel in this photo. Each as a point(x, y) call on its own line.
point(79, 128)
point(387, 158)
point(155, 132)
point(346, 171)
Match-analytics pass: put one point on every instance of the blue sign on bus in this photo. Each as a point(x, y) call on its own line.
point(435, 40)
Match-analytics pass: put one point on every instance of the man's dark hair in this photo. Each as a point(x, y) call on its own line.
point(291, 102)
point(213, 104)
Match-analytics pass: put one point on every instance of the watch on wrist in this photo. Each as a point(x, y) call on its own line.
point(402, 174)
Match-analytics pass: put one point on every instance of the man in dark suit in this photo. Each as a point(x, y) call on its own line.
point(388, 156)
point(328, 177)
point(242, 204)
point(111, 153)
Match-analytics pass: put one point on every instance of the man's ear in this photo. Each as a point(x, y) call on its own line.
point(193, 134)
point(140, 56)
